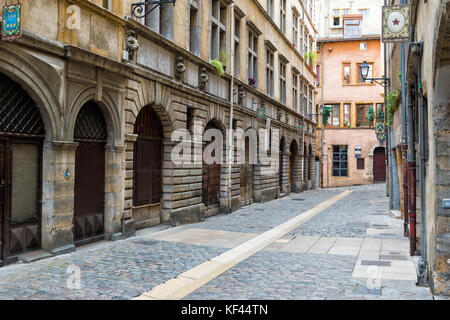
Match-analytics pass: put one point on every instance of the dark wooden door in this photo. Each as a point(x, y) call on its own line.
point(210, 184)
point(2, 197)
point(379, 165)
point(88, 224)
point(247, 178)
point(291, 171)
point(280, 171)
point(20, 197)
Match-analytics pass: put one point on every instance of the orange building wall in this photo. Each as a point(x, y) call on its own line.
point(336, 92)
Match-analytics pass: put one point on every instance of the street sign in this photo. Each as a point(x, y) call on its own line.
point(396, 21)
point(11, 22)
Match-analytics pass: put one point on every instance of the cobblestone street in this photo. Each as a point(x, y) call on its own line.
point(351, 250)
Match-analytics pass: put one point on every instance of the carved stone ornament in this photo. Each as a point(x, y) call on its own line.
point(203, 79)
point(132, 44)
point(241, 94)
point(180, 68)
point(279, 114)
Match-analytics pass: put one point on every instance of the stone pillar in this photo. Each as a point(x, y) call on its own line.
point(130, 225)
point(58, 185)
point(286, 187)
point(297, 171)
point(114, 190)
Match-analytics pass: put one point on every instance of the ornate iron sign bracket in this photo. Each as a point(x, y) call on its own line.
point(139, 9)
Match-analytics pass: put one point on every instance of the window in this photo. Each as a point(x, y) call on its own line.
point(161, 20)
point(336, 21)
point(106, 4)
point(269, 72)
point(363, 46)
point(379, 115)
point(340, 161)
point(270, 8)
point(294, 29)
point(282, 83)
point(283, 16)
point(194, 28)
point(252, 58)
point(218, 28)
point(347, 73)
point(295, 91)
point(300, 42)
point(237, 47)
point(318, 75)
point(305, 99)
point(345, 12)
point(361, 114)
point(310, 103)
point(335, 115)
point(365, 13)
point(336, 12)
point(351, 28)
point(360, 163)
point(347, 114)
point(369, 75)
point(305, 40)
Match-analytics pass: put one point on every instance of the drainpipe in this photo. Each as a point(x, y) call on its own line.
point(230, 153)
point(322, 138)
point(411, 173)
point(423, 260)
point(404, 144)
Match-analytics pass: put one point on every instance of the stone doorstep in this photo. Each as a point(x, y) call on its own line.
point(34, 256)
point(396, 214)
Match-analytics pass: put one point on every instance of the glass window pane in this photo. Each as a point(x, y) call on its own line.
point(25, 180)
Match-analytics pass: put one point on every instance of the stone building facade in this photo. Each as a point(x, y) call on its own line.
point(426, 102)
point(92, 96)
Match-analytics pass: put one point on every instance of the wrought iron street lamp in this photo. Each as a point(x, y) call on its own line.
point(364, 70)
point(139, 9)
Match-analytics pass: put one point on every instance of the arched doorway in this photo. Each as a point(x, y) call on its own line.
point(247, 174)
point(280, 169)
point(379, 164)
point(148, 155)
point(21, 136)
point(89, 205)
point(211, 179)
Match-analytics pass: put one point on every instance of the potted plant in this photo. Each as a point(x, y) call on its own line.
point(380, 116)
point(326, 115)
point(252, 82)
point(312, 58)
point(370, 116)
point(346, 124)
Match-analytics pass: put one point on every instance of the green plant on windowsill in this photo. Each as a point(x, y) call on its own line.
point(312, 57)
point(346, 124)
point(370, 116)
point(392, 102)
point(326, 114)
point(219, 67)
point(380, 116)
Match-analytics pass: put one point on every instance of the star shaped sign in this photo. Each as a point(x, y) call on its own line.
point(396, 22)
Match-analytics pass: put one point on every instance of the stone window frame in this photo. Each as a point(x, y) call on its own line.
point(283, 11)
point(282, 71)
point(237, 20)
point(347, 115)
point(107, 4)
point(295, 76)
point(220, 23)
point(270, 8)
point(252, 51)
point(295, 27)
point(270, 72)
point(194, 4)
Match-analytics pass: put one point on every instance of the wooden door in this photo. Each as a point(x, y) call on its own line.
point(379, 165)
point(2, 197)
point(280, 171)
point(247, 178)
point(21, 197)
point(211, 184)
point(291, 173)
point(89, 207)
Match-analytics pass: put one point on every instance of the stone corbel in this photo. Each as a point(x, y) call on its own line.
point(203, 79)
point(179, 69)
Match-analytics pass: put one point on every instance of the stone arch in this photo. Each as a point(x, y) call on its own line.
point(370, 156)
point(108, 108)
point(20, 67)
point(156, 95)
